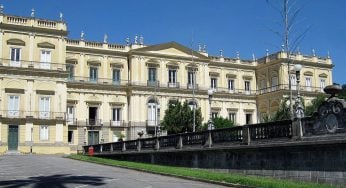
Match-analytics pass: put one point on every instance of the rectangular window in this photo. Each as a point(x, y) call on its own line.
point(152, 77)
point(70, 115)
point(44, 132)
point(172, 76)
point(308, 83)
point(322, 84)
point(214, 115)
point(248, 118)
point(70, 71)
point(232, 116)
point(45, 59)
point(231, 85)
point(116, 114)
point(213, 83)
point(93, 74)
point(293, 82)
point(247, 87)
point(152, 74)
point(15, 57)
point(116, 76)
point(13, 106)
point(190, 78)
point(44, 107)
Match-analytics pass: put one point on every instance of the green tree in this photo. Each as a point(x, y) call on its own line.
point(219, 123)
point(315, 103)
point(342, 95)
point(179, 118)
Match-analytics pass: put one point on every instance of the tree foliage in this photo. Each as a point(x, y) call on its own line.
point(220, 123)
point(315, 103)
point(342, 95)
point(179, 118)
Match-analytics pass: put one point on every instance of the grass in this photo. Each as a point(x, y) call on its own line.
point(203, 175)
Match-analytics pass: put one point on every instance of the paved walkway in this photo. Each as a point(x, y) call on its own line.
point(40, 171)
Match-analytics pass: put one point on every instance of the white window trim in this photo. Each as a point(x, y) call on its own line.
point(44, 133)
point(16, 63)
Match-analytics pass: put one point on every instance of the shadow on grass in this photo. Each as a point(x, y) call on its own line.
point(54, 181)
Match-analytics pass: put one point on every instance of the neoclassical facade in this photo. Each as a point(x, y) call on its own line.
point(57, 94)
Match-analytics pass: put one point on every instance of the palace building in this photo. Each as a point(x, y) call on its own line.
point(58, 94)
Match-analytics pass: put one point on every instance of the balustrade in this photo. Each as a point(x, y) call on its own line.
point(235, 135)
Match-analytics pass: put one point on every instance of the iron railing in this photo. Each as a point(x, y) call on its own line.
point(32, 114)
point(33, 64)
point(104, 81)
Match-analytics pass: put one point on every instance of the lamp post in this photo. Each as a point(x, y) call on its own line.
point(210, 122)
point(299, 105)
point(157, 127)
point(32, 131)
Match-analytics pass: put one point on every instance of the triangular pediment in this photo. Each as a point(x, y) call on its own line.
point(170, 49)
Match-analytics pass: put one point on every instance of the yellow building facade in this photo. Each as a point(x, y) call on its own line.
point(58, 94)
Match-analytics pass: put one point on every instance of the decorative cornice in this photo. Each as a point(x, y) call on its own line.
point(33, 29)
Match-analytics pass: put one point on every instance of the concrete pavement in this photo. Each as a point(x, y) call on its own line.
point(40, 171)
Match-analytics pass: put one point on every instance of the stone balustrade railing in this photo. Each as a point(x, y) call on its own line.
point(96, 45)
point(33, 22)
point(295, 57)
point(280, 130)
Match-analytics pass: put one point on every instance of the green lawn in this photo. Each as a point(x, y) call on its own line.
point(200, 174)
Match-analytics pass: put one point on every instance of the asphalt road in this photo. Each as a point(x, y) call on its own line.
point(39, 171)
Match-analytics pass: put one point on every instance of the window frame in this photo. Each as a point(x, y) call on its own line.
point(44, 133)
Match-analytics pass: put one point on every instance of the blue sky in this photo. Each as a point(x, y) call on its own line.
point(231, 25)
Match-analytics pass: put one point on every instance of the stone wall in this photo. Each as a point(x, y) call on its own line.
point(315, 161)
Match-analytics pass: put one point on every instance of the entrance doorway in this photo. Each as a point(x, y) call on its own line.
point(13, 137)
point(92, 115)
point(93, 137)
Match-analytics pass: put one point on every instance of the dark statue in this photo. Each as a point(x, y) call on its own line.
point(330, 117)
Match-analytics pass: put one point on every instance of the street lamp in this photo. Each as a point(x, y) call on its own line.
point(210, 122)
point(299, 105)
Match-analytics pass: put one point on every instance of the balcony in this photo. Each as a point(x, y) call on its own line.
point(281, 87)
point(33, 65)
point(93, 122)
point(105, 81)
point(152, 123)
point(173, 84)
point(32, 114)
point(190, 86)
point(153, 83)
point(117, 123)
point(71, 121)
